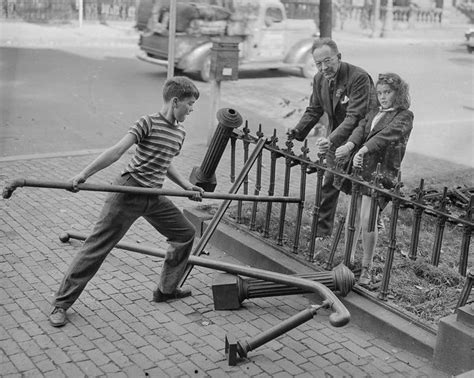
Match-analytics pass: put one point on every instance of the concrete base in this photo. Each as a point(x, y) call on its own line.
point(454, 351)
point(225, 292)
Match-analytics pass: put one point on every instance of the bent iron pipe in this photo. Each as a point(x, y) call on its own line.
point(340, 317)
point(20, 182)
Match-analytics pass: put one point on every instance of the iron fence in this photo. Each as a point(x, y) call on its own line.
point(280, 175)
point(67, 10)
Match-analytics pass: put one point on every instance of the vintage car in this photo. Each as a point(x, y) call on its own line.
point(266, 38)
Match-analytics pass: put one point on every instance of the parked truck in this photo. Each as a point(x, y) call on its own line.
point(266, 38)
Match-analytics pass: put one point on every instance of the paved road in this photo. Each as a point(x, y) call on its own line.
point(76, 97)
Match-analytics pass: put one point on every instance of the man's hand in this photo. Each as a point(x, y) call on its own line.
point(199, 191)
point(75, 181)
point(359, 157)
point(291, 133)
point(323, 145)
point(344, 151)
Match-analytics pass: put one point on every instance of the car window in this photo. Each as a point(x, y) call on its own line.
point(274, 14)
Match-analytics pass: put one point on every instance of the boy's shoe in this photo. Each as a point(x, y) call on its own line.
point(158, 296)
point(365, 277)
point(58, 317)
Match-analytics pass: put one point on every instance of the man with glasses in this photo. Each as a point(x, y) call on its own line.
point(345, 93)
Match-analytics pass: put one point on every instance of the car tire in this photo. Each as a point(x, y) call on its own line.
point(309, 67)
point(469, 49)
point(205, 72)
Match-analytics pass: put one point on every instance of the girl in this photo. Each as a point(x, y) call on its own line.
point(381, 137)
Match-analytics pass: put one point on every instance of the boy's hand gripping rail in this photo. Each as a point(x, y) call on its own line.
point(20, 182)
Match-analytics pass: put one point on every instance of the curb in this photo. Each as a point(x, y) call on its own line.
point(367, 314)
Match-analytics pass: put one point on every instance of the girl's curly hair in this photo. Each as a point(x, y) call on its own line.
point(397, 84)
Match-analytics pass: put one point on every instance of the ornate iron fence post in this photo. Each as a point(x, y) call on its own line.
point(352, 216)
point(439, 229)
point(466, 238)
point(233, 141)
point(393, 241)
point(299, 217)
point(374, 200)
point(286, 188)
point(316, 207)
point(246, 142)
point(258, 183)
point(271, 188)
point(417, 214)
point(335, 243)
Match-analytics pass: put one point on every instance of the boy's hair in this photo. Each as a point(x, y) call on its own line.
point(397, 84)
point(180, 87)
point(318, 43)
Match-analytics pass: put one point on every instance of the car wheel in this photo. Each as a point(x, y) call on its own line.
point(205, 73)
point(309, 67)
point(469, 49)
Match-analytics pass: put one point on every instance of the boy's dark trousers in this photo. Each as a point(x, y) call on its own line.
point(118, 214)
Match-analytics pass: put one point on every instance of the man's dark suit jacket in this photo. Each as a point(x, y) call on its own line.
point(353, 96)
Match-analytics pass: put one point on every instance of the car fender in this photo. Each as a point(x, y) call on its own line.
point(192, 61)
point(298, 51)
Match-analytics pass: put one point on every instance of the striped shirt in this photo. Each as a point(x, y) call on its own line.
point(158, 141)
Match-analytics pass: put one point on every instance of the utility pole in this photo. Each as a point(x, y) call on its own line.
point(388, 21)
point(81, 12)
point(171, 39)
point(325, 18)
point(376, 19)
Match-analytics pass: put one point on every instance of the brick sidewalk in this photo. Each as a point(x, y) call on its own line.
point(114, 327)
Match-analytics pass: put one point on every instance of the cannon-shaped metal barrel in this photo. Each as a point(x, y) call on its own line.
point(205, 175)
point(229, 291)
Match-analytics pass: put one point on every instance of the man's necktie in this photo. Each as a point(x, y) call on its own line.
point(331, 89)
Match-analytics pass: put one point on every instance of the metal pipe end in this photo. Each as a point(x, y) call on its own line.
point(11, 186)
point(64, 237)
point(229, 117)
point(241, 350)
point(344, 279)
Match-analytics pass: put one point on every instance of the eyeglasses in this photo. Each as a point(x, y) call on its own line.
point(326, 61)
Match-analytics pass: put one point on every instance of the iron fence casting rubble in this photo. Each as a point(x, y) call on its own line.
point(417, 203)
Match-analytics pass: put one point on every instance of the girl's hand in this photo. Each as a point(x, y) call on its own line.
point(358, 160)
point(344, 150)
point(323, 145)
point(359, 157)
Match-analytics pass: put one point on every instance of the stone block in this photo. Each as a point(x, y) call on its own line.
point(454, 350)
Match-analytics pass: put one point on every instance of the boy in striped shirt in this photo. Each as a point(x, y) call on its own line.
point(159, 138)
